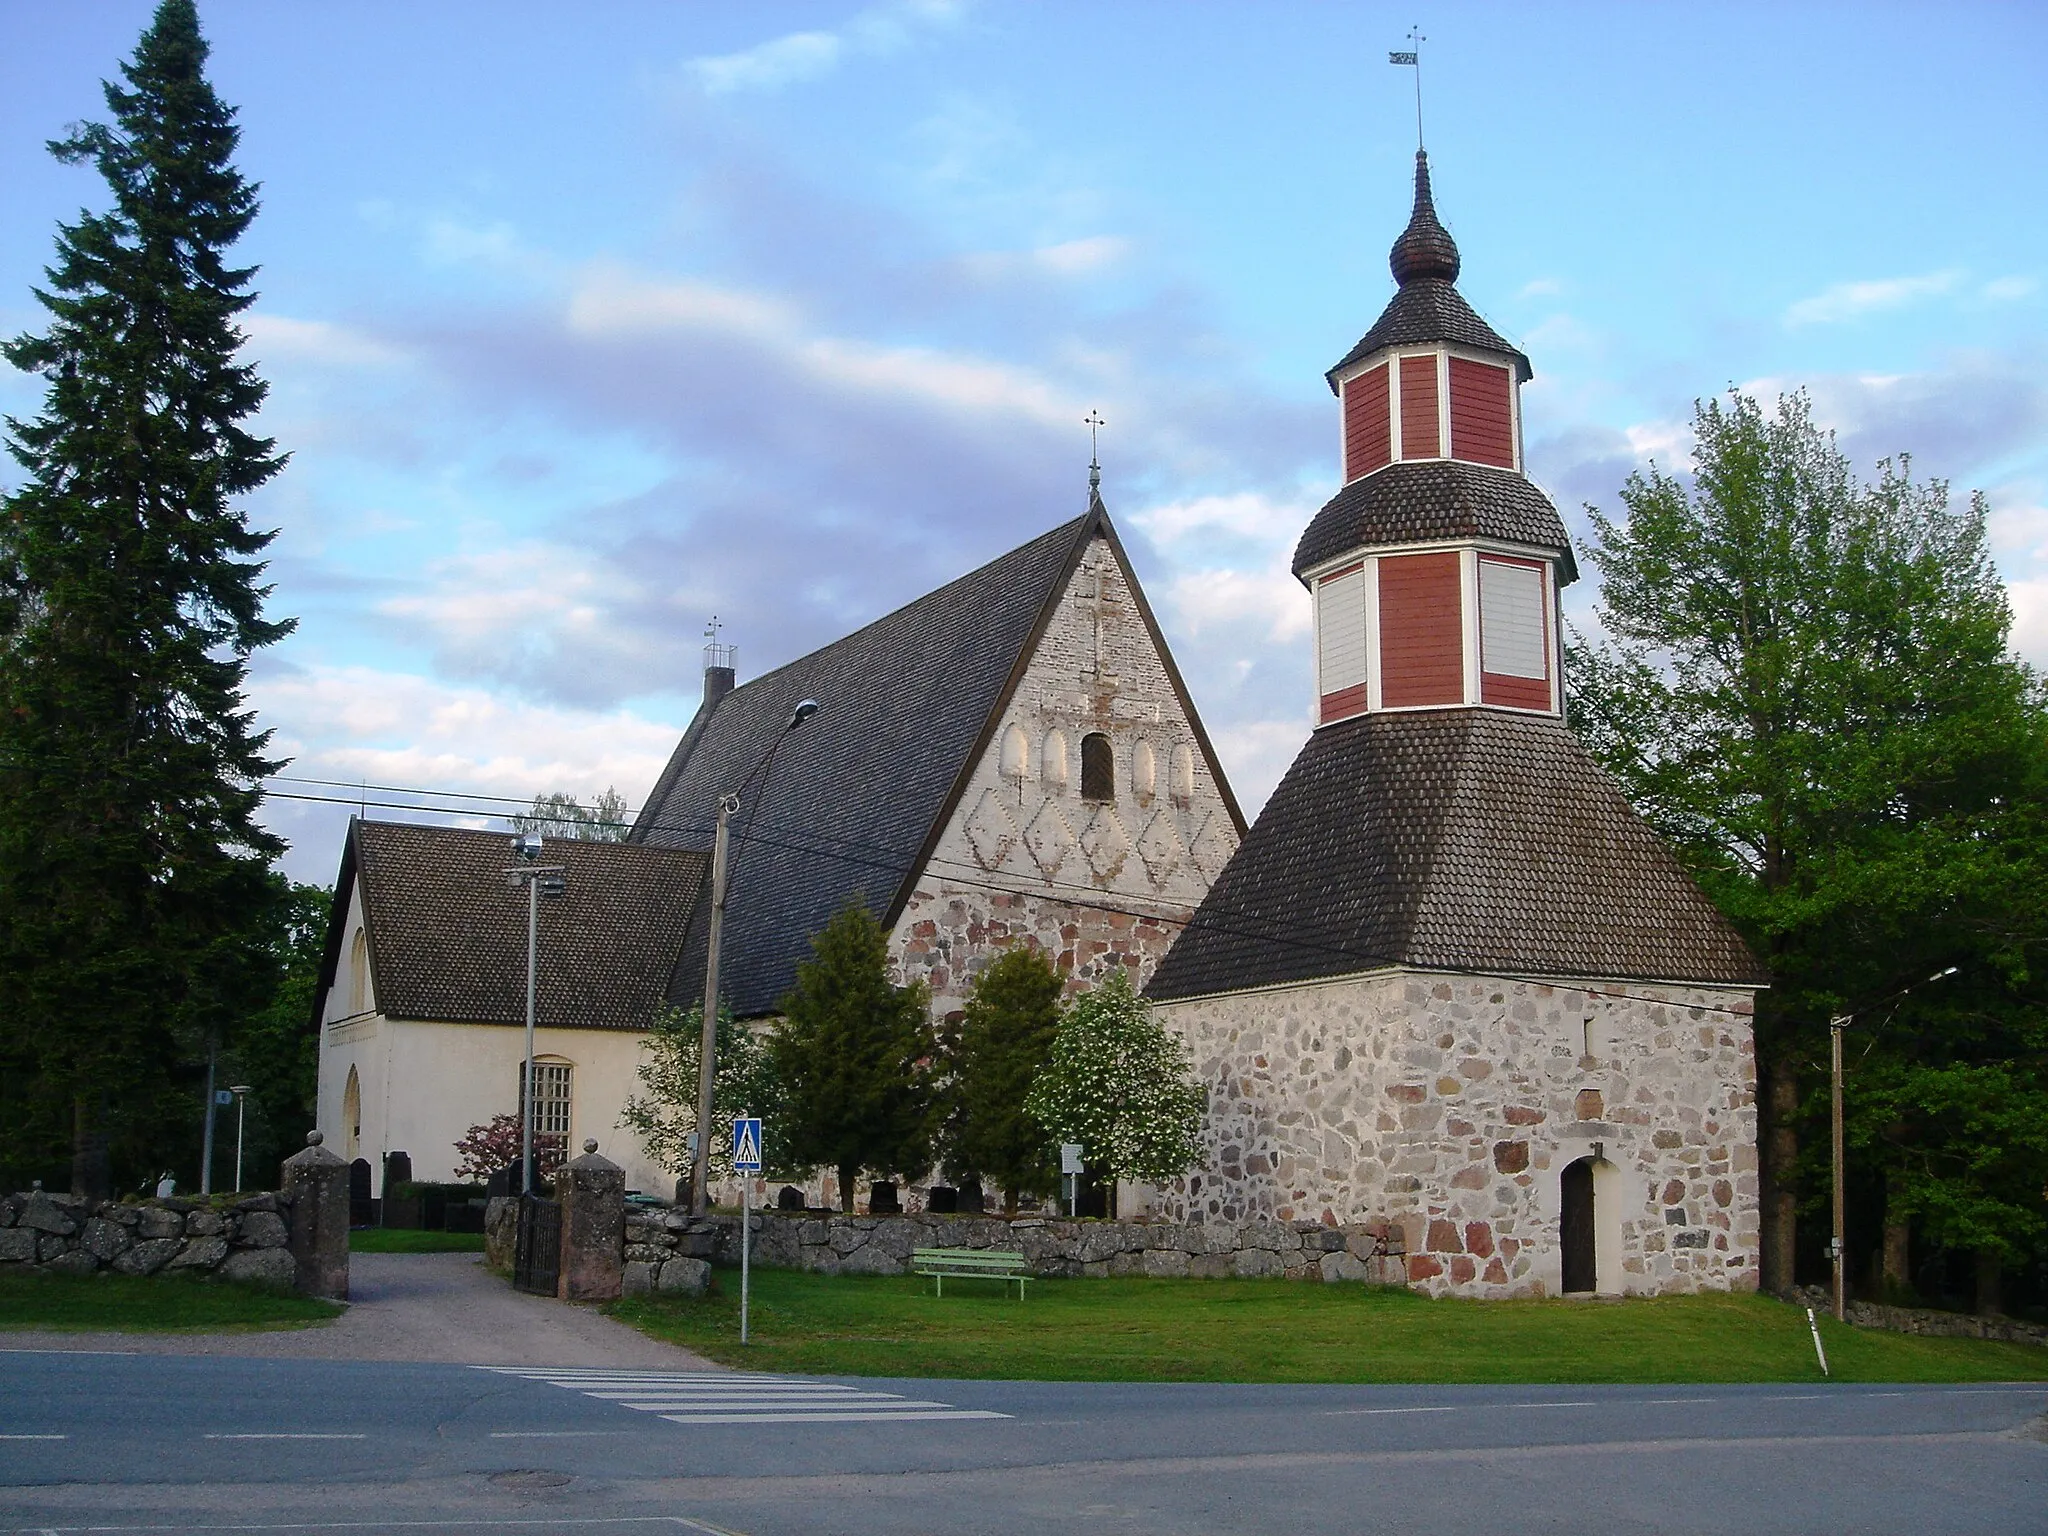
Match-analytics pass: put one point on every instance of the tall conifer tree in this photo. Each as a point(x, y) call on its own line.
point(132, 870)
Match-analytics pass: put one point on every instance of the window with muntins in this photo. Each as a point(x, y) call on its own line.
point(1098, 767)
point(551, 1097)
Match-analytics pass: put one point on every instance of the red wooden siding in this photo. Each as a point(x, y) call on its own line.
point(1419, 438)
point(1481, 430)
point(1342, 704)
point(1514, 633)
point(1366, 445)
point(1422, 631)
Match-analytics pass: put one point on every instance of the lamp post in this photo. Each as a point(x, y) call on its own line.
point(707, 1048)
point(1838, 1243)
point(241, 1093)
point(540, 880)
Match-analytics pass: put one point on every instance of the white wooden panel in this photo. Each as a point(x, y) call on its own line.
point(1511, 632)
point(1340, 632)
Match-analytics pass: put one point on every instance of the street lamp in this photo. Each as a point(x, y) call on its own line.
point(540, 880)
point(707, 1051)
point(241, 1093)
point(1838, 1245)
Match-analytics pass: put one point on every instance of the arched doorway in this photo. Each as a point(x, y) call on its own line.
point(352, 1117)
point(1578, 1234)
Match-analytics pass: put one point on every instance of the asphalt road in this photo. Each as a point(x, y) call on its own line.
point(133, 1442)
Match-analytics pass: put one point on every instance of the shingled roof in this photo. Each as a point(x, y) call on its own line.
point(447, 936)
point(1463, 839)
point(1423, 499)
point(855, 799)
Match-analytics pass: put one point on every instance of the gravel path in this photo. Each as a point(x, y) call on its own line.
point(416, 1306)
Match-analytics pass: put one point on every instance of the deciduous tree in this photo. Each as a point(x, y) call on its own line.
point(1007, 1034)
point(664, 1116)
point(1120, 1086)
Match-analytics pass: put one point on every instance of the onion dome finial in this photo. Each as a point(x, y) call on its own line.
point(1425, 249)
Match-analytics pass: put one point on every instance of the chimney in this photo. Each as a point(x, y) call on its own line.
point(719, 664)
point(717, 684)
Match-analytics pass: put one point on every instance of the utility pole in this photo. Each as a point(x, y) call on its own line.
point(206, 1147)
point(1835, 1027)
point(707, 1051)
point(241, 1093)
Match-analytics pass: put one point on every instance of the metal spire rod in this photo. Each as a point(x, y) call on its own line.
point(1094, 423)
point(1412, 57)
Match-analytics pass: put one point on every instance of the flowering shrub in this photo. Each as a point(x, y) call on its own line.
point(488, 1148)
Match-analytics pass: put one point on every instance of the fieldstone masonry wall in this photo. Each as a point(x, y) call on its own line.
point(1450, 1106)
point(247, 1241)
point(835, 1244)
point(1150, 852)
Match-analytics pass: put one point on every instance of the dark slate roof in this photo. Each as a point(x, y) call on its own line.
point(856, 797)
point(447, 936)
point(1460, 839)
point(1428, 499)
point(1425, 311)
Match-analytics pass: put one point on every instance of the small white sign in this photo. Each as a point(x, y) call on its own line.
point(1070, 1157)
point(746, 1146)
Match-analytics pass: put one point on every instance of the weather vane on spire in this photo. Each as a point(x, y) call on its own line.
point(1412, 57)
point(1094, 423)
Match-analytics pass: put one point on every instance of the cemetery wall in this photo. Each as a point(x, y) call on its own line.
point(247, 1240)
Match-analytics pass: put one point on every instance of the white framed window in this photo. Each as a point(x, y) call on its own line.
point(1513, 639)
point(1340, 631)
point(552, 1088)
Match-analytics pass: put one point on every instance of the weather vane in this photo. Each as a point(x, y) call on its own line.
point(1094, 423)
point(1412, 57)
point(711, 629)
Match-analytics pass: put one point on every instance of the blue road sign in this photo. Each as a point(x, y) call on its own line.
point(746, 1146)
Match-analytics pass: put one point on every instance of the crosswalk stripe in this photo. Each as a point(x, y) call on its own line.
point(722, 1397)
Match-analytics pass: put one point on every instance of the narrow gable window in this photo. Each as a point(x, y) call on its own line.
point(1098, 767)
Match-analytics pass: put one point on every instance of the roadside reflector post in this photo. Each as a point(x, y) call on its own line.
point(1815, 1328)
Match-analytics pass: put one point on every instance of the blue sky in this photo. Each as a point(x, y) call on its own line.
point(586, 322)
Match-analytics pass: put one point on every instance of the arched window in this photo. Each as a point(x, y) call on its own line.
point(359, 975)
point(1098, 767)
point(1055, 760)
point(1016, 753)
point(352, 1115)
point(1183, 773)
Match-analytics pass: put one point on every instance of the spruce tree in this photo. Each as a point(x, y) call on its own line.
point(132, 870)
point(1006, 1035)
point(853, 1056)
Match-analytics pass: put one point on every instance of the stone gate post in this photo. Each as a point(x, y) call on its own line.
point(593, 1196)
point(313, 1185)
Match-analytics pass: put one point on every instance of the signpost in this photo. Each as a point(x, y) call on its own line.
point(746, 1162)
point(1070, 1172)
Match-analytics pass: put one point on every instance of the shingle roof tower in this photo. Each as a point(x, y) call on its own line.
point(1442, 815)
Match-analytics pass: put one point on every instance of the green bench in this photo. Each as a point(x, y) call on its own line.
point(970, 1264)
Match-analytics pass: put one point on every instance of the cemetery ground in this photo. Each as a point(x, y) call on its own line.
point(405, 1240)
point(1284, 1331)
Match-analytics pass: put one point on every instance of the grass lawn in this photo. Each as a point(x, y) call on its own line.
point(403, 1240)
point(166, 1304)
point(1284, 1331)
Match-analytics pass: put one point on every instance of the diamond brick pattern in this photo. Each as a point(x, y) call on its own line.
point(1161, 848)
point(990, 831)
point(1106, 844)
point(1049, 839)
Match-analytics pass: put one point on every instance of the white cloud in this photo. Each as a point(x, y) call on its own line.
point(1256, 753)
point(611, 302)
point(2008, 288)
point(1069, 258)
point(2030, 618)
point(273, 336)
point(1541, 287)
point(1246, 514)
point(1849, 301)
point(1668, 442)
point(1267, 601)
point(799, 56)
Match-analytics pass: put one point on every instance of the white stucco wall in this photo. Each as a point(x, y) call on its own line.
point(424, 1084)
point(1054, 860)
point(1452, 1104)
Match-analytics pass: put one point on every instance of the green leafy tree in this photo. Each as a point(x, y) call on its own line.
point(276, 1049)
point(853, 1053)
point(664, 1116)
point(133, 875)
point(1804, 683)
point(602, 820)
point(1007, 1033)
point(1121, 1087)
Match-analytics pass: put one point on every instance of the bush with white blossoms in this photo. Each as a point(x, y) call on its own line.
point(1121, 1086)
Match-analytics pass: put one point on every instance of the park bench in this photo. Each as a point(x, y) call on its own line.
point(969, 1264)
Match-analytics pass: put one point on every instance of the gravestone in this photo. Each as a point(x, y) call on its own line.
point(592, 1192)
point(882, 1199)
point(362, 1210)
point(397, 1170)
point(789, 1198)
point(942, 1199)
point(314, 1184)
point(971, 1199)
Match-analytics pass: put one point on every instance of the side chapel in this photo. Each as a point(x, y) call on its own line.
point(1450, 978)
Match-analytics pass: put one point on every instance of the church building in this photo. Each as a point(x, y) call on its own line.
point(1010, 759)
point(1450, 978)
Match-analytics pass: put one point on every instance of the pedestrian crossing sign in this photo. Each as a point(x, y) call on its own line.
point(746, 1146)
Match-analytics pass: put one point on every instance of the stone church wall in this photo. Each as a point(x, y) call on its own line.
point(1450, 1105)
point(1095, 883)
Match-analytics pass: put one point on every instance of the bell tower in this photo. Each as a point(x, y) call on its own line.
point(1436, 568)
